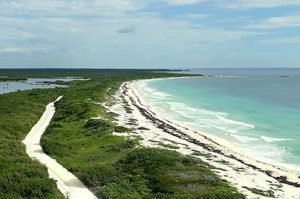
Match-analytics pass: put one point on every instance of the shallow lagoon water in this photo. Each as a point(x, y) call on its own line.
point(258, 111)
point(32, 83)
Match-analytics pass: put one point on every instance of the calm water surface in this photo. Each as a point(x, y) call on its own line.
point(33, 83)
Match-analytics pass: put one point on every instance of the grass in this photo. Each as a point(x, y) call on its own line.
point(116, 167)
point(170, 146)
point(268, 193)
point(126, 106)
point(111, 166)
point(121, 129)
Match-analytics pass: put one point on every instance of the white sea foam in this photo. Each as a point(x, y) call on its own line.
point(272, 139)
point(266, 152)
point(151, 92)
point(203, 119)
point(210, 119)
point(199, 117)
point(230, 76)
point(244, 139)
point(235, 122)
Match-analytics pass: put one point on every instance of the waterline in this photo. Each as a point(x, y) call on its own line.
point(260, 140)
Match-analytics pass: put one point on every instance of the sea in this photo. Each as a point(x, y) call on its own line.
point(256, 110)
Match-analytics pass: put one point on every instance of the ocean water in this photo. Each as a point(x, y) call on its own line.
point(256, 110)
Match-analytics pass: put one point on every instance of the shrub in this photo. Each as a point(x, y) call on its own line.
point(121, 129)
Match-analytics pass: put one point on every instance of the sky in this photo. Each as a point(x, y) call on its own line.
point(149, 33)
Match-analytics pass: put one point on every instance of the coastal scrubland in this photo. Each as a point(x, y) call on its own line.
point(21, 177)
point(111, 166)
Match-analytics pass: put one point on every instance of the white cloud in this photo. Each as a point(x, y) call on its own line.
point(14, 50)
point(248, 4)
point(277, 22)
point(196, 16)
point(68, 7)
point(86, 33)
point(183, 2)
point(95, 41)
point(20, 50)
point(239, 4)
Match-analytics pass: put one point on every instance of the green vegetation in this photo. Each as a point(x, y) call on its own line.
point(170, 146)
point(143, 128)
point(111, 166)
point(126, 106)
point(268, 193)
point(21, 177)
point(121, 129)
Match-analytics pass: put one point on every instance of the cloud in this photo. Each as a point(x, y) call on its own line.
point(238, 4)
point(127, 29)
point(68, 7)
point(277, 22)
point(71, 8)
point(196, 16)
point(250, 4)
point(20, 50)
point(183, 2)
point(127, 33)
point(15, 50)
point(94, 42)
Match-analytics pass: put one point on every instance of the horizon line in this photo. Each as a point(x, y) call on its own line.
point(171, 69)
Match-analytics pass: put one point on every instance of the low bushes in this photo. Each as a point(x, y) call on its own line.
point(21, 177)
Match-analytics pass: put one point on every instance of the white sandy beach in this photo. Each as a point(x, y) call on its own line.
point(242, 172)
point(69, 185)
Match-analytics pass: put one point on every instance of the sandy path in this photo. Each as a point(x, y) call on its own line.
point(67, 183)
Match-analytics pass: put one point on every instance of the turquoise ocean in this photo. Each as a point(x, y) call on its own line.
point(256, 110)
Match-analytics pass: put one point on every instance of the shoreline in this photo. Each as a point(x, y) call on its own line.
point(214, 138)
point(68, 184)
point(242, 172)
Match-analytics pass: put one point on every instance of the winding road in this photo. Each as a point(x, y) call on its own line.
point(67, 183)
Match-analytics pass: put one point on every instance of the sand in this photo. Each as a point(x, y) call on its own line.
point(238, 169)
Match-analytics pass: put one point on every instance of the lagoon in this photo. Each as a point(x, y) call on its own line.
point(32, 83)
